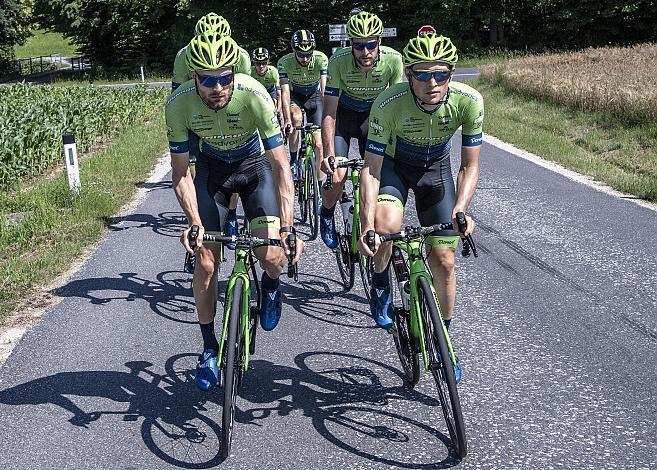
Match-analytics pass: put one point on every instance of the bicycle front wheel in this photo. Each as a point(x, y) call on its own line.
point(233, 351)
point(343, 252)
point(442, 367)
point(312, 197)
point(366, 268)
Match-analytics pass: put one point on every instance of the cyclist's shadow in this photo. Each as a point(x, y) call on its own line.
point(173, 427)
point(343, 397)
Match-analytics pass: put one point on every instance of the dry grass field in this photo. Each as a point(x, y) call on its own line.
point(619, 80)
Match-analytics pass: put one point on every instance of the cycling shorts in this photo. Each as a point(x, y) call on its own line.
point(435, 194)
point(251, 178)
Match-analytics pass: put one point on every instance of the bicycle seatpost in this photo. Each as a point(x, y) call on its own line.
point(328, 184)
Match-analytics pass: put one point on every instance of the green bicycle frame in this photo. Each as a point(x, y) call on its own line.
point(240, 271)
point(308, 160)
point(417, 269)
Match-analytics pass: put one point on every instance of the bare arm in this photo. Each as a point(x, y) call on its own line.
point(322, 83)
point(285, 95)
point(369, 190)
point(183, 185)
point(328, 124)
point(468, 177)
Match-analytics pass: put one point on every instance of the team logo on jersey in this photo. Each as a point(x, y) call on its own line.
point(233, 119)
point(169, 131)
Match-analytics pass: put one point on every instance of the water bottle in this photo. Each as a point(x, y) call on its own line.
point(347, 206)
point(405, 292)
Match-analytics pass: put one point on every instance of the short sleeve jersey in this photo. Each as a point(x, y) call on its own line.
point(302, 80)
point(400, 129)
point(357, 89)
point(269, 80)
point(181, 72)
point(245, 127)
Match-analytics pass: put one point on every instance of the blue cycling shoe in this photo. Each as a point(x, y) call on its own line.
point(207, 371)
point(327, 230)
point(231, 229)
point(381, 306)
point(458, 371)
point(295, 172)
point(272, 305)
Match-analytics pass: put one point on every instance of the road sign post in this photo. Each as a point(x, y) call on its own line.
point(71, 157)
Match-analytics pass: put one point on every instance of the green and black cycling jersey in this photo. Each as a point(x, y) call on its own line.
point(270, 79)
point(302, 80)
point(181, 72)
point(245, 127)
point(401, 129)
point(357, 89)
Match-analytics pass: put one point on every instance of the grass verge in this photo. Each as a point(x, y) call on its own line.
point(59, 227)
point(621, 154)
point(44, 43)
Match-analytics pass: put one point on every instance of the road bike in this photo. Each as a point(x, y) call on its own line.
point(419, 329)
point(243, 301)
point(348, 229)
point(307, 185)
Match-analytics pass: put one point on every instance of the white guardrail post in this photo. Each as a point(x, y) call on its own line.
point(72, 168)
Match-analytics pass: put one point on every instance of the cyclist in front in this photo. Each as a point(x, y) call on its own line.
point(267, 75)
point(241, 152)
point(408, 147)
point(303, 78)
point(181, 73)
point(356, 76)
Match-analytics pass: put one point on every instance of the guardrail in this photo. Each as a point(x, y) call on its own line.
point(45, 63)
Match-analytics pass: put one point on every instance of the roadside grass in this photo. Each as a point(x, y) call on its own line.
point(620, 153)
point(59, 227)
point(45, 43)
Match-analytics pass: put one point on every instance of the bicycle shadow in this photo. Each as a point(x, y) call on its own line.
point(329, 397)
point(169, 224)
point(169, 296)
point(174, 427)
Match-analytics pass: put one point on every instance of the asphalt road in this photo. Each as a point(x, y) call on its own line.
point(555, 327)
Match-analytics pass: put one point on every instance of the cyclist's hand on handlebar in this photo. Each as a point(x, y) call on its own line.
point(328, 165)
point(369, 243)
point(287, 128)
point(469, 223)
point(192, 238)
point(286, 247)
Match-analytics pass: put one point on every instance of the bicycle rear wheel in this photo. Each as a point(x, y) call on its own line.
point(301, 188)
point(233, 354)
point(312, 197)
point(366, 268)
point(343, 252)
point(442, 367)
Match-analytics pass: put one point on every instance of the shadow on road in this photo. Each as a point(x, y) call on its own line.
point(170, 224)
point(169, 296)
point(342, 394)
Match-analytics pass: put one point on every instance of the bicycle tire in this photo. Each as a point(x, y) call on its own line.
point(366, 268)
point(343, 253)
point(440, 361)
point(408, 355)
point(231, 366)
point(312, 198)
point(301, 189)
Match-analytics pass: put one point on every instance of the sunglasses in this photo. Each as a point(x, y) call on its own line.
point(425, 75)
point(260, 64)
point(211, 81)
point(304, 55)
point(370, 45)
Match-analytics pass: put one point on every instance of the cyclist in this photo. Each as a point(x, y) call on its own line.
point(408, 147)
point(303, 78)
point(207, 23)
point(241, 151)
point(267, 75)
point(356, 76)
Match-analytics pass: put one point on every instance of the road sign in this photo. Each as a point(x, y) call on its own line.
point(338, 32)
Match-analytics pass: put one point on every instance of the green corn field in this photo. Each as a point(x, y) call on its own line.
point(34, 118)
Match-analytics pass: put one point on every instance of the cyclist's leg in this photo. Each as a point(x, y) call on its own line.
point(393, 192)
point(296, 115)
point(209, 182)
point(314, 108)
point(260, 201)
point(343, 126)
point(435, 197)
